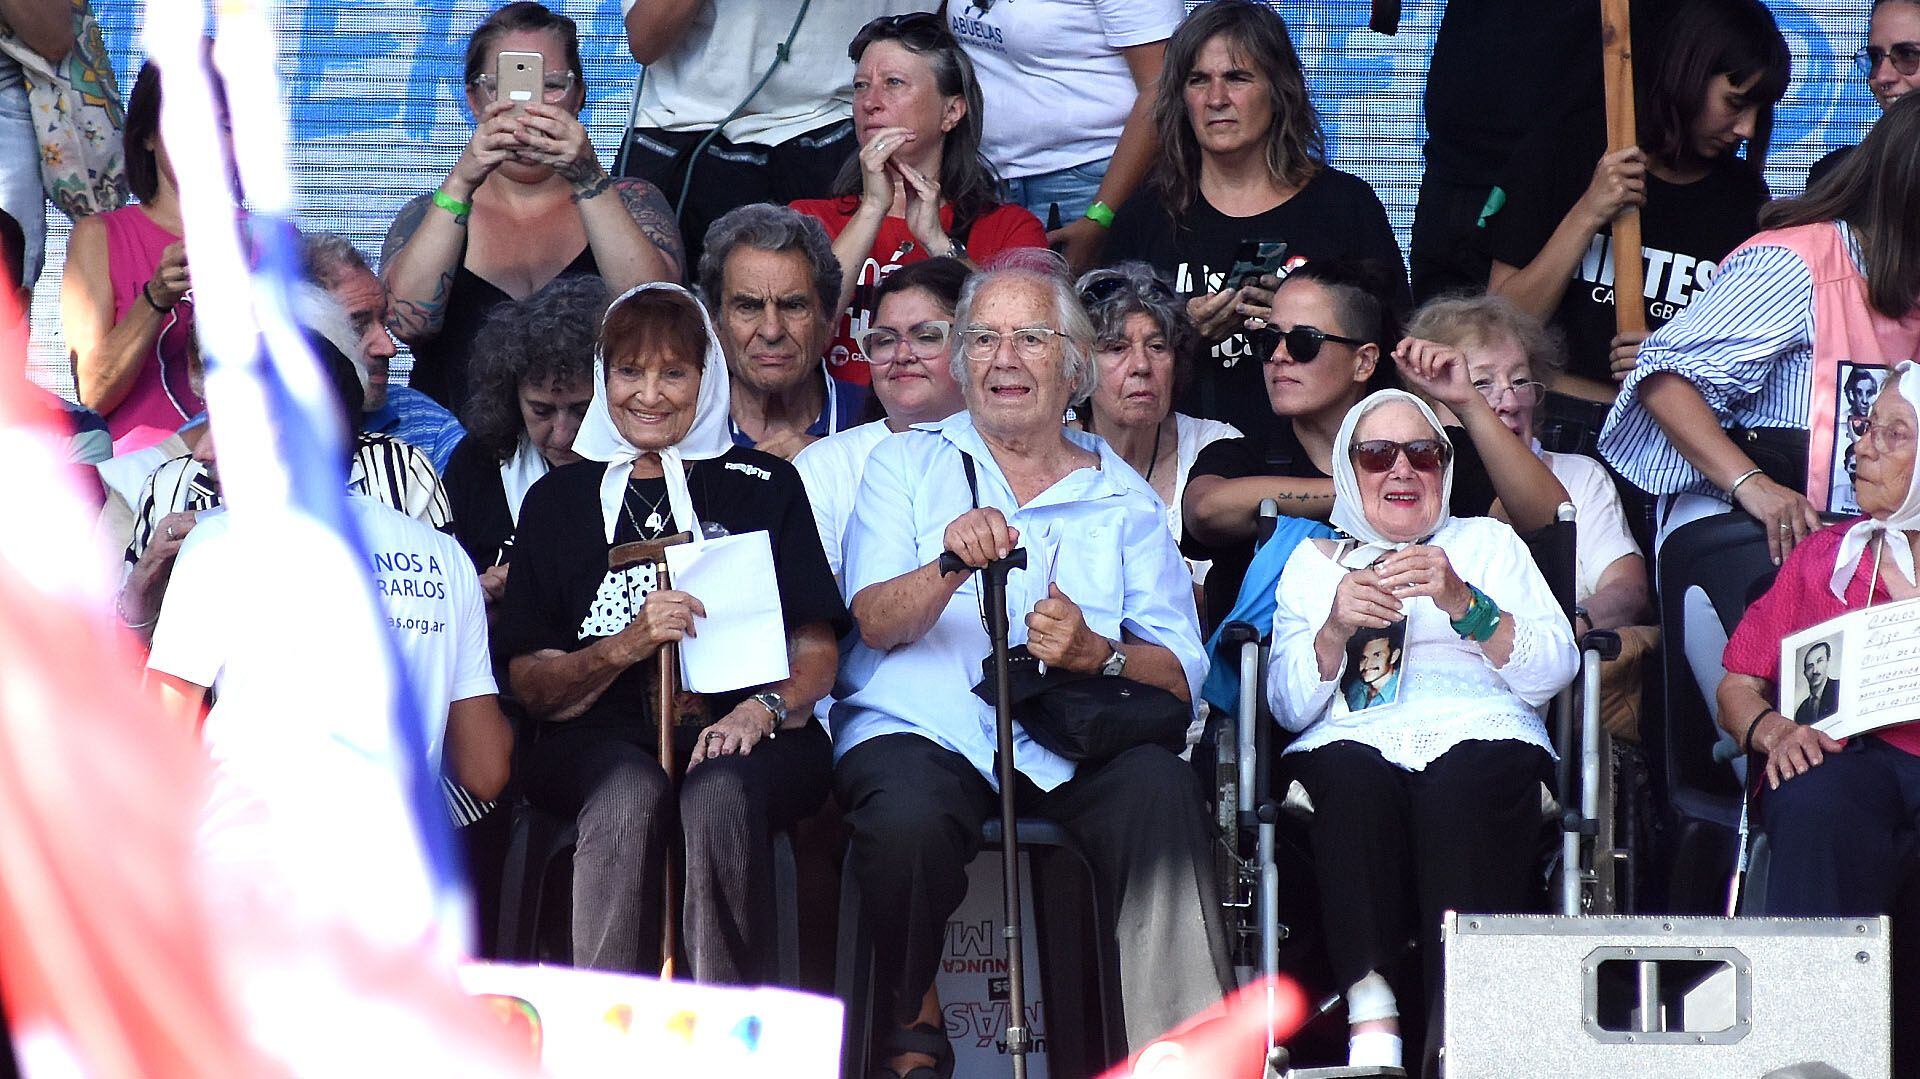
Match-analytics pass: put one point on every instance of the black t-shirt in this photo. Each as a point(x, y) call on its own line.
point(1685, 231)
point(1280, 453)
point(478, 500)
point(1499, 68)
point(1335, 215)
point(561, 594)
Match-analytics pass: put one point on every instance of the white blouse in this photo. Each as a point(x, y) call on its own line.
point(1449, 691)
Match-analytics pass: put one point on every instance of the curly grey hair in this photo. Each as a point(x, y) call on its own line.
point(1049, 271)
point(1140, 291)
point(547, 338)
point(768, 227)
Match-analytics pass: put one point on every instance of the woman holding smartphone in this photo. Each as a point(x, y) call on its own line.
point(527, 202)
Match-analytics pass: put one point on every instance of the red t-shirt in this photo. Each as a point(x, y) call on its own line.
point(1801, 597)
point(999, 229)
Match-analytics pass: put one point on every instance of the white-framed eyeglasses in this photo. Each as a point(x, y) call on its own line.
point(923, 340)
point(554, 88)
point(1029, 342)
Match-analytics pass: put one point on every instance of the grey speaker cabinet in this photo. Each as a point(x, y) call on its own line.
point(1674, 998)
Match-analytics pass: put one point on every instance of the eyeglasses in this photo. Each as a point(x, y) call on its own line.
point(1303, 342)
point(1905, 56)
point(1106, 288)
point(1526, 392)
point(919, 31)
point(1424, 454)
point(1029, 343)
point(923, 341)
point(553, 88)
point(1886, 437)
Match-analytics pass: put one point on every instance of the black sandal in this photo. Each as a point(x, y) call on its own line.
point(919, 1038)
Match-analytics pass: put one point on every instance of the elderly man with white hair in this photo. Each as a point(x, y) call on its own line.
point(1105, 594)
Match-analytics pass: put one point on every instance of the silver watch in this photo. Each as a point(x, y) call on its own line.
point(1115, 665)
point(772, 702)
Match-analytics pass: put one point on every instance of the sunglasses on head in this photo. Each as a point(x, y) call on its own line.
point(1106, 288)
point(1303, 342)
point(919, 31)
point(1424, 454)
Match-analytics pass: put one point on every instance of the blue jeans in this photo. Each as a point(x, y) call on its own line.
point(20, 192)
point(1072, 190)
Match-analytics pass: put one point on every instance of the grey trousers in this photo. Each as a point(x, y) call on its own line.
point(916, 808)
point(725, 811)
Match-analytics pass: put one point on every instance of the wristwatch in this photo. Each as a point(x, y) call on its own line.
point(772, 702)
point(1115, 665)
point(958, 250)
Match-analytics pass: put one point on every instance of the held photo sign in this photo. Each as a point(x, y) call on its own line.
point(1855, 673)
point(1842, 393)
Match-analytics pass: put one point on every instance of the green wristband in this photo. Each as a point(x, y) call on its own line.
point(452, 205)
point(1100, 214)
point(1481, 619)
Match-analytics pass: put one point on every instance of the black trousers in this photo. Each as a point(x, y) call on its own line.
point(1445, 253)
point(1395, 849)
point(725, 810)
point(1840, 832)
point(730, 175)
point(915, 809)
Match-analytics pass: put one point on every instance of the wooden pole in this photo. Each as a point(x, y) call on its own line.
point(1629, 271)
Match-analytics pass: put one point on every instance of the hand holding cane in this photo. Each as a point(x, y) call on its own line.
point(654, 553)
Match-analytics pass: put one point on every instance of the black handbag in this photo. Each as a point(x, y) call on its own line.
point(1780, 453)
point(1082, 717)
point(1086, 717)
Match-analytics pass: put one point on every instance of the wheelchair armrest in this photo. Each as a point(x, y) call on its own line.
point(1604, 641)
point(1239, 633)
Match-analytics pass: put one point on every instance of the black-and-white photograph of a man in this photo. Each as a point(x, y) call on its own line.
point(1820, 692)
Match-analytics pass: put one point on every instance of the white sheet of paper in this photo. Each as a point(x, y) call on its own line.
point(1873, 655)
point(743, 639)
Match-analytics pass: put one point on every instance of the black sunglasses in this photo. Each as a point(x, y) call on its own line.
point(919, 31)
point(1424, 454)
point(1107, 288)
point(1303, 342)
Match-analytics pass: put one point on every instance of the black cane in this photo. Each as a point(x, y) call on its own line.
point(994, 582)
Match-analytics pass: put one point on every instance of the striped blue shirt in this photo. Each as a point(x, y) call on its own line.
point(1746, 344)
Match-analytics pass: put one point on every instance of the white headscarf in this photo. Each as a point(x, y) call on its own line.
point(599, 440)
point(1349, 512)
point(1904, 521)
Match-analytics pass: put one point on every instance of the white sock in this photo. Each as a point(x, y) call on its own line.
point(1373, 1049)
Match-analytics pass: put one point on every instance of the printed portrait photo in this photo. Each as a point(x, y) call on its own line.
point(1816, 689)
point(1375, 662)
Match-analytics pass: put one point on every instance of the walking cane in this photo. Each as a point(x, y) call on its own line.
point(666, 687)
point(994, 587)
point(1629, 272)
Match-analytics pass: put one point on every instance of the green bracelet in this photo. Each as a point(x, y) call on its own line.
point(1481, 619)
point(1100, 214)
point(454, 206)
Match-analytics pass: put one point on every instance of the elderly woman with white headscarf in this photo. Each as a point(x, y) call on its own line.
point(1412, 658)
point(1835, 813)
point(659, 461)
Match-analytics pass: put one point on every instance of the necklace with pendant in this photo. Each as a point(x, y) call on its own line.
point(655, 525)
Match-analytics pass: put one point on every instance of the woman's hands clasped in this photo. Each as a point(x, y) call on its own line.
point(887, 181)
point(1375, 597)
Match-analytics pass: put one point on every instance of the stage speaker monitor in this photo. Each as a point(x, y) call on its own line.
point(1678, 998)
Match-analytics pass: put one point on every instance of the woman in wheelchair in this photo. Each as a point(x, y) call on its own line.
point(1836, 813)
point(1428, 798)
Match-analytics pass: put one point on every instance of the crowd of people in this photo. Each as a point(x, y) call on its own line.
point(1074, 277)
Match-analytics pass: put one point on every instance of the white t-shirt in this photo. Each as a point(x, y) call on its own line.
point(427, 589)
point(730, 44)
point(1057, 91)
point(1602, 526)
point(831, 470)
point(1194, 434)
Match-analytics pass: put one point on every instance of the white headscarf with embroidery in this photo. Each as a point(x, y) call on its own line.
point(600, 440)
point(1904, 521)
point(1349, 512)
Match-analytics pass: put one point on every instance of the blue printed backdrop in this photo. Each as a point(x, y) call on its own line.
point(378, 115)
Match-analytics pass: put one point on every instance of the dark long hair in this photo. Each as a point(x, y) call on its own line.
point(143, 123)
point(1875, 189)
point(1296, 143)
point(968, 181)
point(1702, 39)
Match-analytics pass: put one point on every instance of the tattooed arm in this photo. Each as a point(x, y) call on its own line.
point(1219, 510)
point(421, 254)
point(629, 226)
